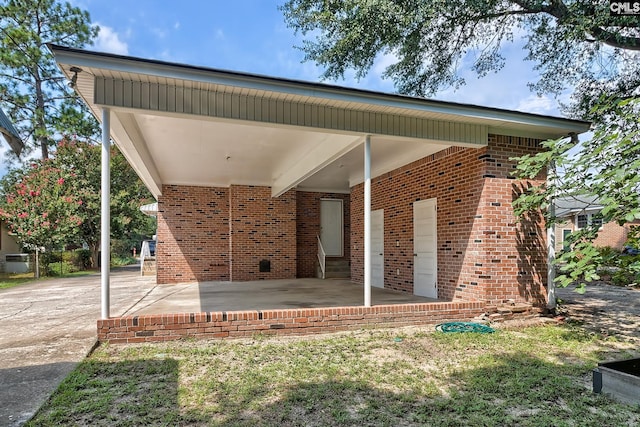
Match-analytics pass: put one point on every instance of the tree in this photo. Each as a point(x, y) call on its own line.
point(39, 102)
point(82, 158)
point(56, 202)
point(567, 40)
point(577, 45)
point(40, 207)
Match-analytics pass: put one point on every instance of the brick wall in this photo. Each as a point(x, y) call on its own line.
point(308, 228)
point(193, 234)
point(610, 235)
point(304, 321)
point(261, 228)
point(209, 234)
point(483, 254)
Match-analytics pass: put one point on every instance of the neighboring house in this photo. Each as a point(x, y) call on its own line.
point(580, 211)
point(251, 172)
point(8, 245)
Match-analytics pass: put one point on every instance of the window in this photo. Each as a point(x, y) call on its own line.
point(583, 220)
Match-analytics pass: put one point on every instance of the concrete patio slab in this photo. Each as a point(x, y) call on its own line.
point(263, 295)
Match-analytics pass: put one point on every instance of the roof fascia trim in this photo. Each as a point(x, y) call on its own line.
point(294, 87)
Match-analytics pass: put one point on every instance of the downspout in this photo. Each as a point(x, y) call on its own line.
point(367, 221)
point(105, 206)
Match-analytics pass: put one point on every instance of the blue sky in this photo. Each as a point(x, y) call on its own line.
point(251, 36)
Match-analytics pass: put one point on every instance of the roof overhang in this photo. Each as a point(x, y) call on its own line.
point(10, 133)
point(186, 125)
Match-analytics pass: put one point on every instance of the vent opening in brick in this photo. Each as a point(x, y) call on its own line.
point(265, 266)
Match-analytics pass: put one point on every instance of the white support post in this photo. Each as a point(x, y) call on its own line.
point(551, 246)
point(551, 269)
point(367, 221)
point(105, 226)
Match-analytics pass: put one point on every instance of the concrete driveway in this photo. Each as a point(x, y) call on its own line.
point(47, 328)
point(604, 309)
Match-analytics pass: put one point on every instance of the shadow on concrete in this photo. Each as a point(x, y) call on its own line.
point(34, 383)
point(604, 309)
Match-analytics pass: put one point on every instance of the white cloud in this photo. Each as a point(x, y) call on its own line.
point(109, 41)
point(538, 104)
point(159, 32)
point(383, 61)
point(289, 65)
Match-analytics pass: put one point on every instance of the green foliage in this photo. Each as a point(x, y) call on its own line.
point(633, 237)
point(119, 260)
point(56, 202)
point(606, 167)
point(618, 268)
point(61, 268)
point(609, 256)
point(40, 205)
point(429, 40)
point(82, 259)
point(627, 272)
point(32, 88)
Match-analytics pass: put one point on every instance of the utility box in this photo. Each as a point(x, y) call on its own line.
point(17, 263)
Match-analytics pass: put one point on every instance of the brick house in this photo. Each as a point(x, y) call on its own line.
point(252, 172)
point(578, 212)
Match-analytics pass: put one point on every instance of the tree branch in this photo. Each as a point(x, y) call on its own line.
point(615, 40)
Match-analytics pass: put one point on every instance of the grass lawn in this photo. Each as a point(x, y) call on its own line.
point(11, 280)
point(533, 376)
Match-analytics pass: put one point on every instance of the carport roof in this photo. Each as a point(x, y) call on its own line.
point(188, 125)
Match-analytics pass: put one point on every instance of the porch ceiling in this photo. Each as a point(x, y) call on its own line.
point(186, 125)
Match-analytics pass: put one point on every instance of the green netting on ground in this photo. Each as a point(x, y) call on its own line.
point(464, 327)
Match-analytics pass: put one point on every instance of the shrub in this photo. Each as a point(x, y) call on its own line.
point(118, 261)
point(628, 271)
point(81, 259)
point(61, 268)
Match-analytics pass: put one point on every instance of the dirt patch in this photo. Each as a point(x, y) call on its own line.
point(605, 309)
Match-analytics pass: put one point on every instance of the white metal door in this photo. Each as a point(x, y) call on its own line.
point(377, 248)
point(425, 257)
point(331, 232)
